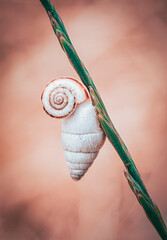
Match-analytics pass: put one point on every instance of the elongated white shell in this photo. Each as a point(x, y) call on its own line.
point(82, 136)
point(82, 139)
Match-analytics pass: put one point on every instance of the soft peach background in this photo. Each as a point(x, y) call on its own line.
point(123, 44)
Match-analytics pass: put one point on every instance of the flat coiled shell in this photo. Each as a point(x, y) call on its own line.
point(61, 96)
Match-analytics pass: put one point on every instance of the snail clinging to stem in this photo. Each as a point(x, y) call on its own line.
point(82, 136)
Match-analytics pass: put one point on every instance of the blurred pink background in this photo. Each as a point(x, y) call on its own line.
point(123, 44)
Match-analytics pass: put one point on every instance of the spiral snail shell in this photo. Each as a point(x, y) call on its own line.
point(82, 136)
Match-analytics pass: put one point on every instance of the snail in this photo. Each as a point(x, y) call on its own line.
point(82, 136)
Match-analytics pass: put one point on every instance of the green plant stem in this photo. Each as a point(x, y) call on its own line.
point(133, 176)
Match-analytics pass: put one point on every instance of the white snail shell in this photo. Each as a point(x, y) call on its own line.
point(82, 136)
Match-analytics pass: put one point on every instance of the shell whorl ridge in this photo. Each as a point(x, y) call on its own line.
point(82, 136)
point(61, 96)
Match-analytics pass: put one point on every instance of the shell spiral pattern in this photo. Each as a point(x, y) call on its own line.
point(61, 96)
point(82, 136)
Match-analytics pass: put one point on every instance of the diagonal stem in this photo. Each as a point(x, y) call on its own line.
point(68, 48)
point(150, 209)
point(106, 123)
